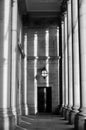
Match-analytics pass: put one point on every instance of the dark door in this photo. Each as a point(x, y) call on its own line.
point(41, 100)
point(44, 99)
point(48, 100)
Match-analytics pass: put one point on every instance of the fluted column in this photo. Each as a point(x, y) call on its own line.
point(5, 65)
point(69, 38)
point(82, 34)
point(65, 63)
point(76, 70)
point(14, 56)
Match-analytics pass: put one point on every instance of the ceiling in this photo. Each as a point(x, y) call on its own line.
point(36, 9)
point(43, 5)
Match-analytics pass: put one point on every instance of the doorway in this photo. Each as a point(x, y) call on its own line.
point(44, 100)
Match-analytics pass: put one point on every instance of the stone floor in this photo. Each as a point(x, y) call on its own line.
point(44, 122)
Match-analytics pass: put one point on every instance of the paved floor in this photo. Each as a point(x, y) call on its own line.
point(44, 122)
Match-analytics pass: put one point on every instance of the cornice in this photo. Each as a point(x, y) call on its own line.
point(43, 58)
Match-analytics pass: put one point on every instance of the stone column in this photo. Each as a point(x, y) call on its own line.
point(65, 65)
point(25, 75)
point(81, 117)
point(20, 82)
point(6, 117)
point(14, 57)
point(69, 38)
point(62, 33)
point(76, 73)
point(58, 66)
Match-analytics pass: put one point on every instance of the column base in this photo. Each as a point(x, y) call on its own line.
point(7, 119)
point(58, 110)
point(65, 112)
point(80, 120)
point(25, 110)
point(61, 111)
point(15, 113)
point(72, 117)
point(67, 116)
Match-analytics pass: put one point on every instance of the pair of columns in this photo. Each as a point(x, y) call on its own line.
point(10, 86)
point(74, 60)
point(17, 34)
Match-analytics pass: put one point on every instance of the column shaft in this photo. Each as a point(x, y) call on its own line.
point(58, 77)
point(62, 30)
point(69, 36)
point(75, 55)
point(82, 30)
point(5, 65)
point(14, 56)
point(25, 75)
point(20, 82)
point(76, 73)
point(81, 117)
point(5, 53)
point(65, 62)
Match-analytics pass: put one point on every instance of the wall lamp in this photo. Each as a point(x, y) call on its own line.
point(44, 72)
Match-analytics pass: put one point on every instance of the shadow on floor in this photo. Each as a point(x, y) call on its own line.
point(44, 122)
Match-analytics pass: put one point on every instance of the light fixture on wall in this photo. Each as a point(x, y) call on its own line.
point(44, 72)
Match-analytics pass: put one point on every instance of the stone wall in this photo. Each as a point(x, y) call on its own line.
point(53, 64)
